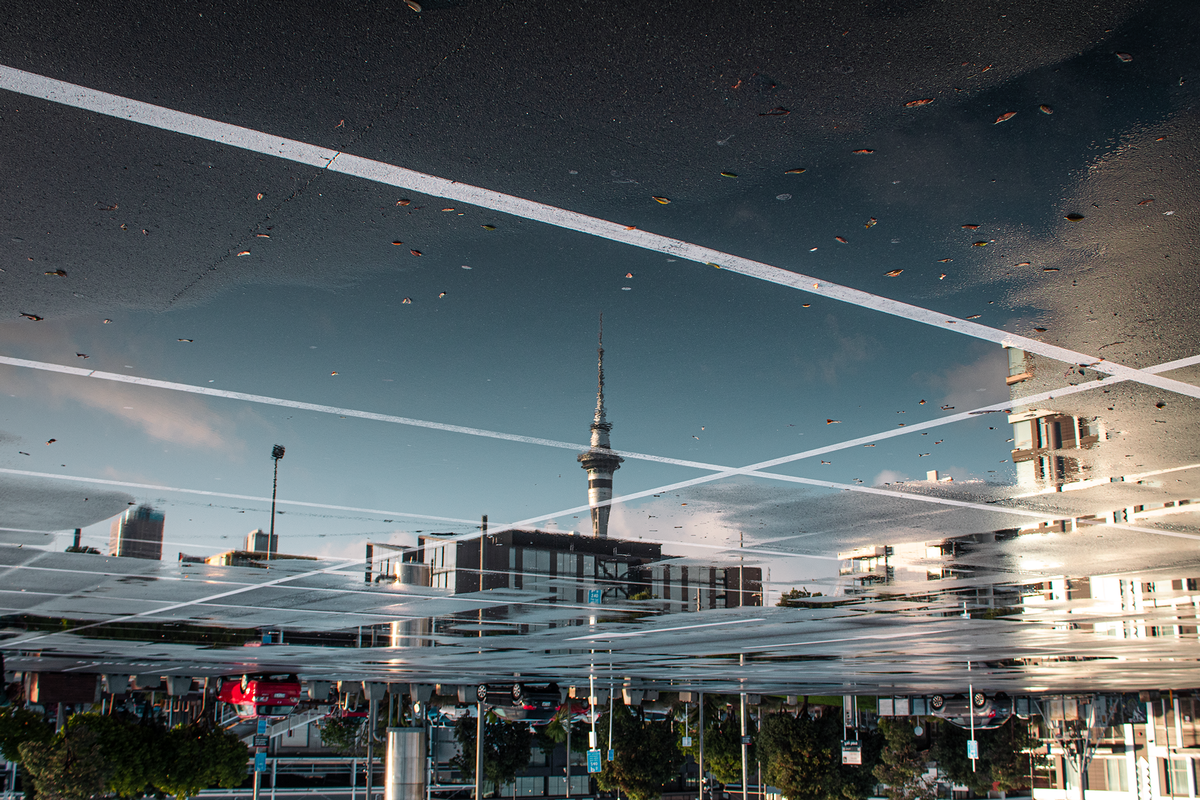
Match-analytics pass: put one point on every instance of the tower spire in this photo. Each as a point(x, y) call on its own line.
point(599, 460)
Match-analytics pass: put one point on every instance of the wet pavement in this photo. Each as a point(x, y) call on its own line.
point(899, 350)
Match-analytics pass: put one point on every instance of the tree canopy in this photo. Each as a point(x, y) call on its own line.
point(802, 757)
point(1003, 764)
point(902, 764)
point(647, 755)
point(507, 747)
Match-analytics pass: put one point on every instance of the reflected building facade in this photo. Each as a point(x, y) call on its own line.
point(138, 533)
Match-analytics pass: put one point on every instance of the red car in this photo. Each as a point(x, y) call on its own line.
point(262, 695)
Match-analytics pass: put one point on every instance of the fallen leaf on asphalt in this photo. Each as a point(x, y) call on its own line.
point(403, 202)
point(1021, 264)
point(777, 111)
point(183, 340)
point(942, 277)
point(1125, 57)
point(1040, 330)
point(628, 274)
point(871, 223)
point(924, 101)
point(488, 227)
point(893, 273)
point(970, 227)
point(832, 421)
point(841, 239)
point(259, 196)
point(58, 273)
point(244, 253)
point(979, 244)
point(82, 355)
point(406, 301)
point(1073, 217)
point(1004, 117)
point(862, 152)
point(415, 252)
point(974, 316)
point(1045, 109)
point(662, 200)
point(414, 5)
point(796, 171)
point(944, 260)
point(397, 242)
point(33, 317)
point(441, 295)
point(728, 174)
point(1146, 202)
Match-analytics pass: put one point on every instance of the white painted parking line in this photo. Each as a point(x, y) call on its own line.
point(68, 94)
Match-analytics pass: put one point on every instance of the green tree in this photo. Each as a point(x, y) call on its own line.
point(723, 747)
point(647, 755)
point(68, 767)
point(507, 747)
point(200, 757)
point(791, 597)
point(1003, 763)
point(802, 756)
point(901, 763)
point(347, 735)
point(18, 725)
point(133, 751)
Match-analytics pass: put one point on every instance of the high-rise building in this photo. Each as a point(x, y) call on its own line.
point(599, 460)
point(257, 540)
point(138, 533)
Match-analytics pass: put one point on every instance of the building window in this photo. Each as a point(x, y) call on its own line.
point(1175, 774)
point(1116, 775)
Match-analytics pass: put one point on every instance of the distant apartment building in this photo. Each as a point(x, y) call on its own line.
point(258, 539)
point(138, 533)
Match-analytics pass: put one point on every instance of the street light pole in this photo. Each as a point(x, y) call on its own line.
point(276, 453)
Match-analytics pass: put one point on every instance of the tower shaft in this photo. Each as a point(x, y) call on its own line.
point(599, 460)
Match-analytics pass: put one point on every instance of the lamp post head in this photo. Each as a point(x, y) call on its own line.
point(277, 452)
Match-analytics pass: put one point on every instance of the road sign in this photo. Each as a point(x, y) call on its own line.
point(594, 596)
point(687, 741)
point(261, 740)
point(851, 752)
point(972, 749)
point(745, 740)
point(594, 761)
point(262, 726)
point(260, 762)
point(612, 754)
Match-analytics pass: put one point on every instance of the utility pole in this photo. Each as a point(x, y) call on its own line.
point(478, 753)
point(276, 453)
point(700, 733)
point(745, 747)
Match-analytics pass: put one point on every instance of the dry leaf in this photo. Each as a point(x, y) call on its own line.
point(631, 227)
point(403, 202)
point(183, 340)
point(777, 111)
point(974, 316)
point(944, 260)
point(260, 196)
point(921, 403)
point(52, 441)
point(1073, 217)
point(33, 317)
point(1045, 109)
point(841, 239)
point(1125, 57)
point(980, 244)
point(415, 252)
point(263, 235)
point(244, 253)
point(894, 273)
point(441, 295)
point(728, 174)
point(1021, 264)
point(1040, 330)
point(341, 124)
point(924, 101)
point(807, 305)
point(107, 321)
point(58, 273)
point(82, 355)
point(796, 171)
point(662, 200)
point(414, 5)
point(447, 209)
point(863, 152)
point(628, 274)
point(711, 264)
point(970, 227)
point(1049, 269)
point(942, 277)
point(832, 421)
point(488, 227)
point(397, 242)
point(333, 373)
point(1146, 202)
point(871, 222)
point(406, 301)
point(1004, 117)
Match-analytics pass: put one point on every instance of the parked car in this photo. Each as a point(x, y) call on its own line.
point(258, 696)
point(519, 701)
point(988, 712)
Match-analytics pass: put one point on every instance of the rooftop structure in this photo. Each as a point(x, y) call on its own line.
point(138, 533)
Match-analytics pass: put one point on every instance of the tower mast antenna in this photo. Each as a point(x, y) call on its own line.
point(599, 460)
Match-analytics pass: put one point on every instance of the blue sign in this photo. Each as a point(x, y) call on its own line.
point(260, 762)
point(972, 749)
point(262, 726)
point(612, 754)
point(594, 596)
point(594, 761)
